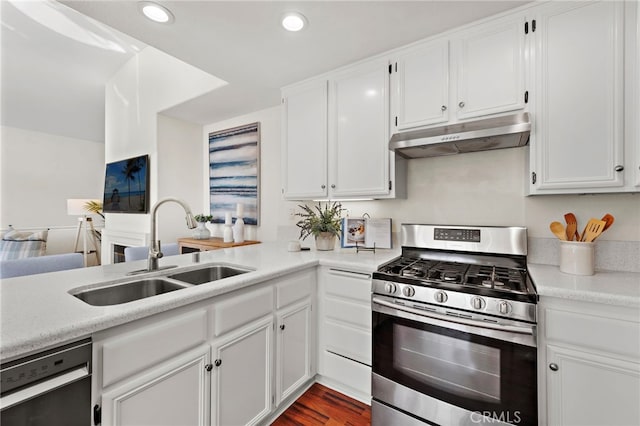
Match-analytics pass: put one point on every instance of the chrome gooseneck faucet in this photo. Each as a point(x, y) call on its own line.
point(155, 251)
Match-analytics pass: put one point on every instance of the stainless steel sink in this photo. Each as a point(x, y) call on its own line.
point(127, 291)
point(208, 274)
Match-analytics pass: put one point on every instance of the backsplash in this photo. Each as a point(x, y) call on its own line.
point(621, 256)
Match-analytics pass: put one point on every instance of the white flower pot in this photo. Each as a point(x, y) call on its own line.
point(325, 241)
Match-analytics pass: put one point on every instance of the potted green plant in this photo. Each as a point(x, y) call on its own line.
point(202, 232)
point(323, 222)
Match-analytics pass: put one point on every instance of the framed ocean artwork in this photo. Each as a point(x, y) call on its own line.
point(234, 173)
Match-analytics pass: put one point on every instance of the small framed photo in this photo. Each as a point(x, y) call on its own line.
point(353, 230)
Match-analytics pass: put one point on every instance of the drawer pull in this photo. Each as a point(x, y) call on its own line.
point(553, 366)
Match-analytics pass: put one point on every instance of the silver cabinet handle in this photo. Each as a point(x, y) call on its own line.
point(323, 186)
point(208, 367)
point(553, 366)
point(461, 104)
point(443, 107)
point(218, 362)
point(333, 185)
point(619, 168)
point(281, 326)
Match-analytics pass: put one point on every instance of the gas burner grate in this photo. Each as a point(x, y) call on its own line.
point(495, 277)
point(448, 272)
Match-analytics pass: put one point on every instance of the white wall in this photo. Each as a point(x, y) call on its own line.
point(179, 175)
point(146, 85)
point(39, 172)
point(483, 188)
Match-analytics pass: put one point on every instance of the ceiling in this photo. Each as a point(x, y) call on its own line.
point(55, 84)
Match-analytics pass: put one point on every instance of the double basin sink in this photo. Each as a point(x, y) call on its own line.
point(130, 290)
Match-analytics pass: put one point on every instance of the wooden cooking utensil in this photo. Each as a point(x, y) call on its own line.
point(609, 221)
point(558, 230)
point(592, 230)
point(572, 226)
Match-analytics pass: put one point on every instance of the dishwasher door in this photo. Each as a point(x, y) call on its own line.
point(49, 388)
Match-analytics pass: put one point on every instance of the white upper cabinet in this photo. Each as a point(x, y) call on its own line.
point(304, 141)
point(420, 86)
point(476, 72)
point(359, 136)
point(335, 139)
point(490, 68)
point(578, 143)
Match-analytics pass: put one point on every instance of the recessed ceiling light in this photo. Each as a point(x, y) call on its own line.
point(155, 12)
point(293, 21)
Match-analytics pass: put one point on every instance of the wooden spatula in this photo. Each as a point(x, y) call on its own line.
point(558, 230)
point(592, 230)
point(572, 227)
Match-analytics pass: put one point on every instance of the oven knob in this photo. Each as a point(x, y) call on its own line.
point(390, 288)
point(478, 302)
point(408, 291)
point(504, 307)
point(440, 296)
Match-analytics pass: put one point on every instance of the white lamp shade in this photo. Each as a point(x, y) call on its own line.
point(76, 206)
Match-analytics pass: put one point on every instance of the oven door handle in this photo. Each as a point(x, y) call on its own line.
point(451, 318)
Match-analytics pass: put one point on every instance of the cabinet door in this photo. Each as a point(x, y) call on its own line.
point(241, 381)
point(304, 136)
point(420, 86)
point(585, 389)
point(490, 69)
point(175, 393)
point(579, 109)
point(293, 354)
point(359, 138)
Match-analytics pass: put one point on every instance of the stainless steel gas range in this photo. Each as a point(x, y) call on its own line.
point(454, 329)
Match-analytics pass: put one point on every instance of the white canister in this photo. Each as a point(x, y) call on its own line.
point(577, 258)
point(293, 246)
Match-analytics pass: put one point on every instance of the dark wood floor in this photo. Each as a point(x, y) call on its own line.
point(323, 406)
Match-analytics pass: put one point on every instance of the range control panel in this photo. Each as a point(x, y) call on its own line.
point(456, 234)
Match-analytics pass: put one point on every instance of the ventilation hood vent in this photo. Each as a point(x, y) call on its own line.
point(482, 135)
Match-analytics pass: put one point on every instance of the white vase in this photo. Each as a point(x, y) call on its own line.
point(201, 232)
point(325, 241)
point(238, 231)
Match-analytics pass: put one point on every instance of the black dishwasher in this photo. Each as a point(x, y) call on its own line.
point(48, 388)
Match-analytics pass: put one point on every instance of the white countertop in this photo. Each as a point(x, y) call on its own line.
point(607, 287)
point(37, 312)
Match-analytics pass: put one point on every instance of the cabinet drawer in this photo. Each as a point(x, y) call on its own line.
point(352, 285)
point(354, 313)
point(242, 309)
point(348, 341)
point(600, 333)
point(349, 372)
point(294, 289)
point(132, 352)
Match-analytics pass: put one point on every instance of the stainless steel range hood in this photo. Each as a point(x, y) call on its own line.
point(493, 133)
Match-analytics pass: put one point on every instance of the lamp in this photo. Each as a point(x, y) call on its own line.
point(77, 207)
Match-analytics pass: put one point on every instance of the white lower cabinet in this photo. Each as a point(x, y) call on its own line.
point(344, 327)
point(241, 379)
point(173, 393)
point(293, 351)
point(215, 362)
point(589, 364)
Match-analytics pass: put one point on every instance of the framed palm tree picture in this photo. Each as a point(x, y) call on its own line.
point(234, 173)
point(126, 186)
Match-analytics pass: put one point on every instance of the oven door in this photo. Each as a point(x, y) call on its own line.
point(449, 370)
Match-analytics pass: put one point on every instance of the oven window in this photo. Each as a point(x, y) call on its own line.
point(460, 367)
point(471, 371)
